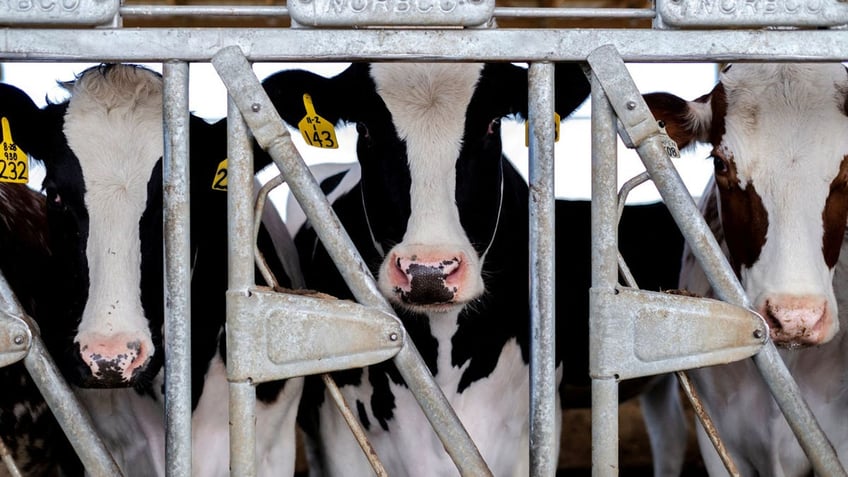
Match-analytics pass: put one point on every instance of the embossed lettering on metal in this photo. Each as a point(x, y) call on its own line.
point(57, 12)
point(391, 12)
point(752, 13)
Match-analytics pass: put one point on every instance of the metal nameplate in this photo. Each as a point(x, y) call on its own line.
point(340, 13)
point(57, 12)
point(752, 13)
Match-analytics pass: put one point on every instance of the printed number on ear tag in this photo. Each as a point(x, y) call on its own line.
point(527, 131)
point(14, 164)
point(316, 131)
point(220, 180)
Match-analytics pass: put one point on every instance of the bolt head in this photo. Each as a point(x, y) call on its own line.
point(19, 340)
point(255, 107)
point(393, 336)
point(631, 105)
point(758, 334)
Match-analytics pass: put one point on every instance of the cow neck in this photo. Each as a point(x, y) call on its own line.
point(379, 248)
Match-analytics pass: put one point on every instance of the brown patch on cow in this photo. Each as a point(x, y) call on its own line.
point(718, 103)
point(744, 217)
point(835, 215)
point(673, 112)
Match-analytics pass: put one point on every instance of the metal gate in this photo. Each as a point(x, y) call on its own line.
point(89, 30)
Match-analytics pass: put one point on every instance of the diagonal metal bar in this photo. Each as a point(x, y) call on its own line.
point(641, 129)
point(268, 129)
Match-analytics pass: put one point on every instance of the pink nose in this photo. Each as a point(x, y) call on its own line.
point(797, 320)
point(115, 359)
point(423, 280)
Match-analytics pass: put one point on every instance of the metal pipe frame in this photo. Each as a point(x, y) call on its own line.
point(543, 386)
point(604, 277)
point(177, 270)
point(341, 45)
point(241, 262)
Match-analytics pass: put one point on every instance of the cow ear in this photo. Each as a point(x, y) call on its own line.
point(334, 99)
point(507, 81)
point(686, 122)
point(572, 87)
point(23, 118)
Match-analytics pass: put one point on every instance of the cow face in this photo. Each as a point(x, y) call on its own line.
point(429, 147)
point(779, 141)
point(102, 152)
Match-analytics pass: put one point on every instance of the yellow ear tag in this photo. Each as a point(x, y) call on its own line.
point(317, 131)
point(14, 165)
point(527, 131)
point(220, 180)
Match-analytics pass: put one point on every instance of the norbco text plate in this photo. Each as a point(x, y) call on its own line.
point(57, 12)
point(337, 13)
point(752, 13)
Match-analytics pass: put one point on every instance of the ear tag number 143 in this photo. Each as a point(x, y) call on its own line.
point(14, 164)
point(316, 131)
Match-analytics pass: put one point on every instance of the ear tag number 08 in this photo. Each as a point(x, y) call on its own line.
point(527, 131)
point(14, 164)
point(316, 131)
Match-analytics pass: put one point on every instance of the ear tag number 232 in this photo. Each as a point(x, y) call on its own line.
point(316, 131)
point(14, 164)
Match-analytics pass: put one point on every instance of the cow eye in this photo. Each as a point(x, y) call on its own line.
point(362, 130)
point(494, 126)
point(720, 165)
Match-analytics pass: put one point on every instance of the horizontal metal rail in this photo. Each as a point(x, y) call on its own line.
point(333, 45)
point(155, 11)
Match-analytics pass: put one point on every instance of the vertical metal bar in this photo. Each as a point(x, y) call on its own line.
point(604, 277)
point(783, 387)
point(70, 414)
point(269, 131)
point(241, 279)
point(177, 271)
point(543, 425)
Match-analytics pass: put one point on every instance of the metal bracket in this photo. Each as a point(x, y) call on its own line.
point(294, 335)
point(646, 333)
point(15, 339)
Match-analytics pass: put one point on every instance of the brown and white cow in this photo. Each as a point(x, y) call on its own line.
point(779, 201)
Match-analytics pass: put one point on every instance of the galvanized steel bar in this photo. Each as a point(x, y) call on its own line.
point(604, 278)
point(543, 388)
point(269, 131)
point(177, 271)
point(6, 457)
point(241, 279)
point(328, 45)
point(575, 13)
point(259, 257)
point(70, 414)
point(157, 11)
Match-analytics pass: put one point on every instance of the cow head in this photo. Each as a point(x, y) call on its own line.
point(429, 147)
point(779, 134)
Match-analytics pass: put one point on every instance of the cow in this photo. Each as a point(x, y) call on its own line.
point(440, 216)
point(102, 150)
point(28, 429)
point(778, 203)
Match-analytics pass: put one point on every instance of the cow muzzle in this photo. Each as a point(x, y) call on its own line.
point(798, 320)
point(113, 361)
point(430, 281)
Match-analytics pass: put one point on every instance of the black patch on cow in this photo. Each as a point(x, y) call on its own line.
point(329, 184)
point(363, 415)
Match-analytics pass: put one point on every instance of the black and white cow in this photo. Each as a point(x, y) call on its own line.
point(779, 202)
point(102, 150)
point(441, 218)
point(28, 429)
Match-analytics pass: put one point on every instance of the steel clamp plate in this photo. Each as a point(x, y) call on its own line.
point(277, 335)
point(58, 12)
point(751, 13)
point(339, 13)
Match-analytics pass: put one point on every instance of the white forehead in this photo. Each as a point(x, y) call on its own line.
point(786, 121)
point(114, 126)
point(428, 102)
